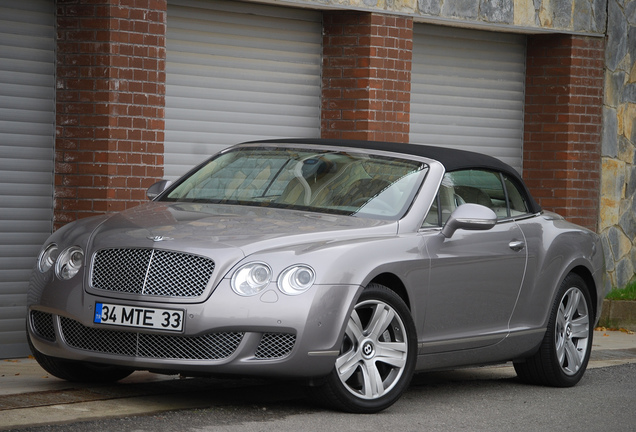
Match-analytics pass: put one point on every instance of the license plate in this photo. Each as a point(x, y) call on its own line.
point(134, 316)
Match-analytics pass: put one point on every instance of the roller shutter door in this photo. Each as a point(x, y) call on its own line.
point(468, 90)
point(237, 72)
point(27, 130)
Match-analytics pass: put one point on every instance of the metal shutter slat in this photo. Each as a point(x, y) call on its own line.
point(234, 76)
point(27, 132)
point(467, 91)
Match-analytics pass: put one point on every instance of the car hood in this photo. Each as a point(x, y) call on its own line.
point(238, 230)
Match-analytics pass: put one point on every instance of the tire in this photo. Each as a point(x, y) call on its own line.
point(565, 351)
point(77, 371)
point(377, 357)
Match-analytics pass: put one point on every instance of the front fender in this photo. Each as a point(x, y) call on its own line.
point(357, 262)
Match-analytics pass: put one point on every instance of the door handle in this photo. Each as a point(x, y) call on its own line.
point(517, 245)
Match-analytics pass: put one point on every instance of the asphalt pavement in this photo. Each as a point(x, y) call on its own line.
point(30, 397)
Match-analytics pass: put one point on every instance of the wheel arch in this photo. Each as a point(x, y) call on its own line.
point(587, 277)
point(395, 284)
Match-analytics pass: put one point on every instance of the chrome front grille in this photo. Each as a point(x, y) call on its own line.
point(213, 346)
point(151, 272)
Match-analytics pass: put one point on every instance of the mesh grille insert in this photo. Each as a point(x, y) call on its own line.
point(151, 272)
point(213, 346)
point(275, 345)
point(43, 325)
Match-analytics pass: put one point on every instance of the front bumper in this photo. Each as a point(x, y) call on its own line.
point(270, 335)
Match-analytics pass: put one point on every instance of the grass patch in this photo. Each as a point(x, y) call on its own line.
point(627, 293)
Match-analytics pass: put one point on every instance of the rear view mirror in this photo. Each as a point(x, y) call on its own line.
point(156, 189)
point(473, 217)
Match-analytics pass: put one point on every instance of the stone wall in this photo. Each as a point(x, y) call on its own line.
point(587, 16)
point(618, 183)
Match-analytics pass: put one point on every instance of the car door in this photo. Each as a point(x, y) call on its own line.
point(475, 276)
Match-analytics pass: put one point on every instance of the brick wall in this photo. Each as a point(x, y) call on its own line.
point(563, 121)
point(366, 76)
point(110, 94)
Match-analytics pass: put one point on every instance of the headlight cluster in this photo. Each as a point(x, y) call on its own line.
point(47, 257)
point(67, 263)
point(252, 278)
point(297, 279)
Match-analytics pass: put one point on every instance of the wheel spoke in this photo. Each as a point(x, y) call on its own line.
point(572, 356)
point(561, 324)
point(581, 327)
point(560, 350)
point(347, 364)
point(561, 317)
point(354, 328)
point(392, 353)
point(574, 298)
point(381, 319)
point(372, 382)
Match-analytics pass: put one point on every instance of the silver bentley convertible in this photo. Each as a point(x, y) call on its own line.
point(347, 265)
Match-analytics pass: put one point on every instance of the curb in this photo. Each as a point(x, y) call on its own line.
point(618, 314)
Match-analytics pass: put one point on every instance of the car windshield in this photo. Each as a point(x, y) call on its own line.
point(350, 183)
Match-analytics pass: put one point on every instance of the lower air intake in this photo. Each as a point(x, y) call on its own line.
point(213, 346)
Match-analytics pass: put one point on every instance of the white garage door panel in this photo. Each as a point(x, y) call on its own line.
point(201, 110)
point(199, 77)
point(12, 325)
point(232, 110)
point(245, 89)
point(467, 91)
point(238, 72)
point(27, 132)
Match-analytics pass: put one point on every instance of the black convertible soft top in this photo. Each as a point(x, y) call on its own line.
point(452, 159)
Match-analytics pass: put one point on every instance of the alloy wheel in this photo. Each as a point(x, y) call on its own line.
point(572, 331)
point(374, 352)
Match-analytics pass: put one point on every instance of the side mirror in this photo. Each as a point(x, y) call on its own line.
point(472, 217)
point(156, 189)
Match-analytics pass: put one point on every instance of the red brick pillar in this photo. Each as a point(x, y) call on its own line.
point(110, 93)
point(366, 76)
point(563, 120)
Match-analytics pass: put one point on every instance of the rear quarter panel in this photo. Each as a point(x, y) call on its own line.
point(555, 248)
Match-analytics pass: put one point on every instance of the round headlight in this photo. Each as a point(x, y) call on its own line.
point(251, 278)
point(69, 262)
point(47, 257)
point(296, 279)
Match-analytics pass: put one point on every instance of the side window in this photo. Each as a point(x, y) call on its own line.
point(432, 219)
point(516, 200)
point(479, 187)
point(445, 202)
point(476, 187)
